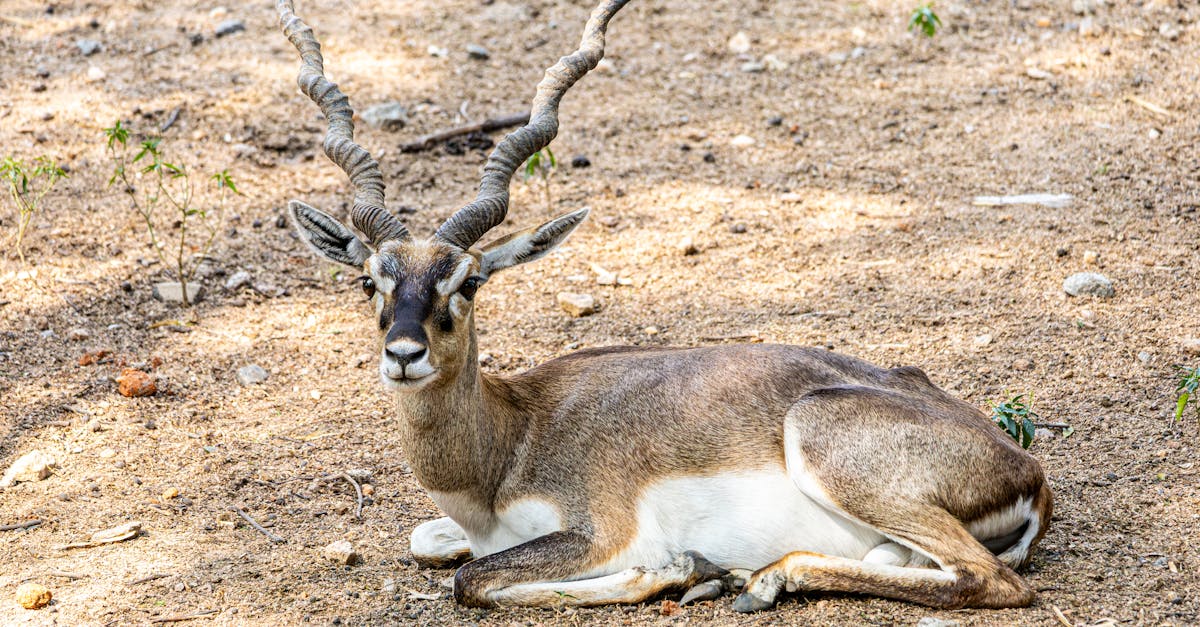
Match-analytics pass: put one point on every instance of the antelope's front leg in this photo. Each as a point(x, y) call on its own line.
point(439, 543)
point(542, 573)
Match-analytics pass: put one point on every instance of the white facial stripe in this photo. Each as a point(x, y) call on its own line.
point(450, 284)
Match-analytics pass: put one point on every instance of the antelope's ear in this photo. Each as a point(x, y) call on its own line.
point(328, 237)
point(529, 244)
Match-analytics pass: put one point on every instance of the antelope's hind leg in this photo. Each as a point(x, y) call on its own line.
point(969, 576)
point(439, 543)
point(543, 573)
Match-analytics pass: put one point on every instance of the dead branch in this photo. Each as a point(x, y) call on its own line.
point(254, 523)
point(150, 577)
point(21, 525)
point(358, 492)
point(176, 618)
point(425, 142)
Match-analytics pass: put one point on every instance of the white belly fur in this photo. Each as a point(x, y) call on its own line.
point(737, 520)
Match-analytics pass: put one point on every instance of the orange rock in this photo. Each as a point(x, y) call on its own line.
point(136, 383)
point(669, 608)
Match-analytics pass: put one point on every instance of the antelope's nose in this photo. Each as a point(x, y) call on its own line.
point(404, 352)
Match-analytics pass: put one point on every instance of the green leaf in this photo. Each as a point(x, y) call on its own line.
point(1181, 405)
point(550, 154)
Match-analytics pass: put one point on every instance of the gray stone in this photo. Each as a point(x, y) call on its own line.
point(476, 51)
point(78, 334)
point(1042, 433)
point(88, 46)
point(1088, 284)
point(251, 375)
point(389, 116)
point(1191, 345)
point(229, 27)
point(238, 280)
point(171, 292)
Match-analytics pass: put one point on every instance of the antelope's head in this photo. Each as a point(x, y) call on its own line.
point(423, 290)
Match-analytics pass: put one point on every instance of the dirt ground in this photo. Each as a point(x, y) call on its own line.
point(848, 224)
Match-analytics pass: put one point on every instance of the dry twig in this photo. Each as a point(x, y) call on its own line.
point(150, 577)
point(426, 142)
point(175, 618)
point(26, 524)
point(358, 492)
point(254, 523)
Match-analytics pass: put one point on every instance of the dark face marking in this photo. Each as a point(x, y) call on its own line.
point(413, 302)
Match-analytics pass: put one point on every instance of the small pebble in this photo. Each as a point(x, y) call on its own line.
point(95, 74)
point(742, 141)
point(251, 375)
point(341, 552)
point(135, 383)
point(577, 305)
point(1191, 345)
point(737, 227)
point(33, 596)
point(651, 330)
point(580, 161)
point(775, 120)
point(170, 493)
point(88, 46)
point(229, 27)
point(1091, 257)
point(32, 466)
point(753, 67)
point(476, 51)
point(78, 334)
point(389, 116)
point(710, 157)
point(739, 43)
point(1088, 284)
point(238, 280)
point(687, 247)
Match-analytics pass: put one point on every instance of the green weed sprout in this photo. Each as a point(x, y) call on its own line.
point(925, 20)
point(28, 183)
point(170, 190)
point(543, 164)
point(1016, 418)
point(1189, 381)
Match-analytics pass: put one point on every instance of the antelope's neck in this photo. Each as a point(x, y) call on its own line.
point(459, 438)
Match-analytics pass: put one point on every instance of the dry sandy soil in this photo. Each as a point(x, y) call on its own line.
point(849, 224)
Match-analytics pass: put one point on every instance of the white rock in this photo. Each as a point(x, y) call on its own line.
point(1088, 284)
point(753, 67)
point(32, 466)
point(95, 74)
point(577, 305)
point(251, 375)
point(341, 552)
point(983, 340)
point(774, 63)
point(930, 621)
point(238, 280)
point(739, 43)
point(437, 51)
point(1042, 433)
point(1191, 345)
point(389, 116)
point(1038, 74)
point(78, 334)
point(742, 141)
point(171, 292)
point(605, 66)
point(1089, 28)
point(687, 246)
point(1091, 257)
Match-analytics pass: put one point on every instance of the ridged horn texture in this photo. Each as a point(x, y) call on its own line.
point(468, 224)
point(369, 214)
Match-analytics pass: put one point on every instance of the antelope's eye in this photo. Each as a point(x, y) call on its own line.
point(467, 290)
point(368, 286)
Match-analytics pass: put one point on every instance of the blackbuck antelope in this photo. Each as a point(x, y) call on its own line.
point(613, 475)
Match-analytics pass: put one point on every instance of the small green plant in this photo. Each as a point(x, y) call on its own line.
point(1016, 418)
point(925, 20)
point(28, 183)
point(543, 164)
point(168, 191)
point(1189, 382)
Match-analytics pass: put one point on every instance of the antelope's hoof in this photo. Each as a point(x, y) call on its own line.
point(706, 591)
point(704, 570)
point(746, 602)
